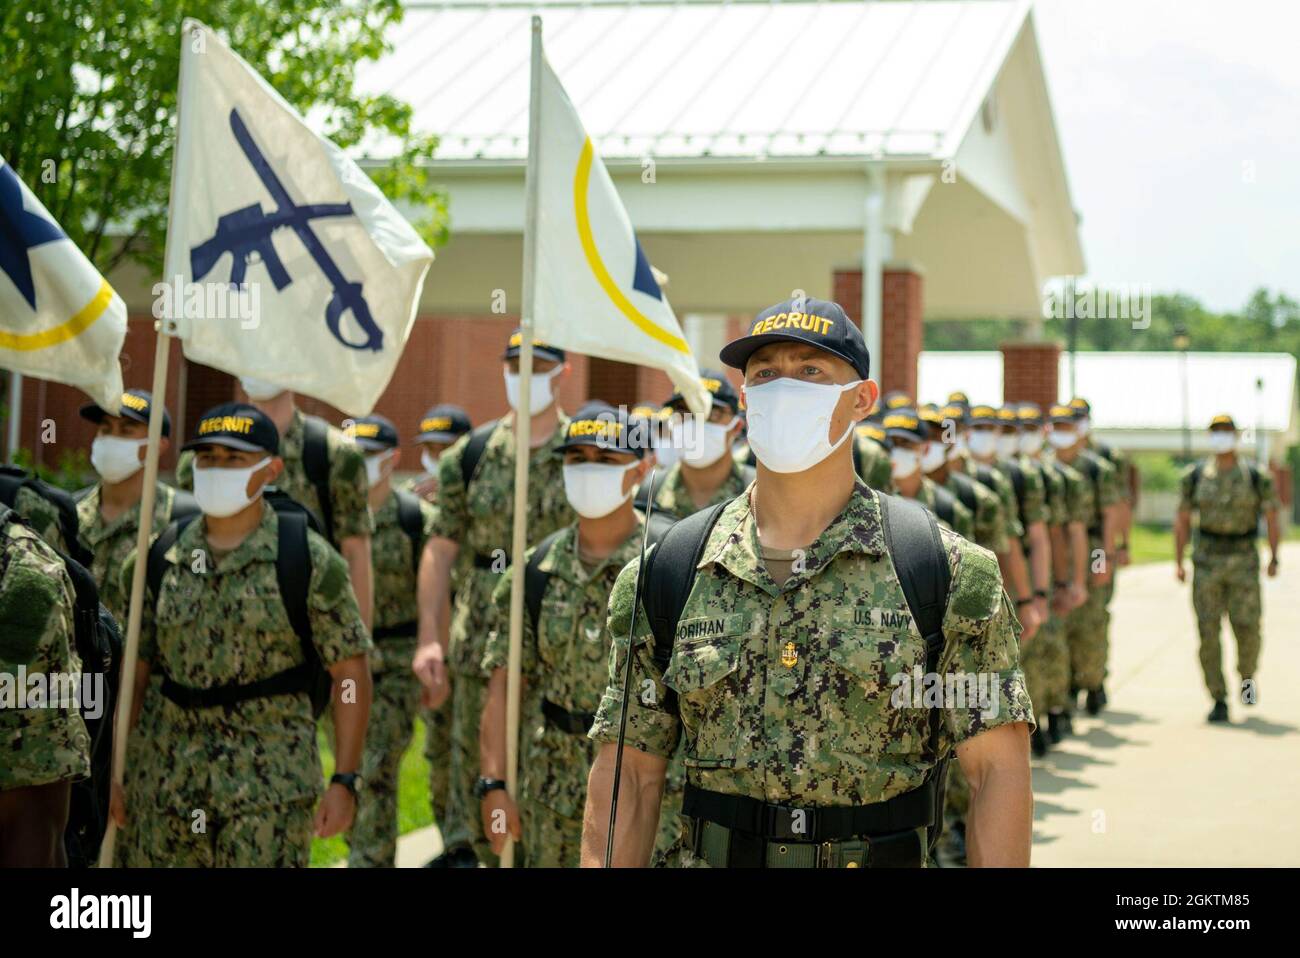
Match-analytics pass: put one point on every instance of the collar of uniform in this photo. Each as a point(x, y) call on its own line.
point(675, 485)
point(95, 530)
point(506, 427)
point(260, 545)
point(563, 561)
point(734, 544)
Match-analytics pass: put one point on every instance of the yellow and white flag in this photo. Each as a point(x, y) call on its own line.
point(59, 319)
point(285, 262)
point(593, 289)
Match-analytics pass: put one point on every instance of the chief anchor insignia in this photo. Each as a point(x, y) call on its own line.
point(247, 232)
point(789, 655)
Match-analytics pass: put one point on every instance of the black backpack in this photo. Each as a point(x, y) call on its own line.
point(478, 440)
point(98, 642)
point(293, 575)
point(1195, 478)
point(916, 547)
point(965, 489)
point(316, 464)
point(945, 506)
point(12, 479)
point(411, 523)
point(536, 581)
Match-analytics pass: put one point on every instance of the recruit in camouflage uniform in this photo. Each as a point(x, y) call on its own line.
point(566, 665)
point(396, 698)
point(41, 516)
point(480, 522)
point(812, 725)
point(249, 773)
point(41, 745)
point(347, 478)
point(1225, 561)
point(870, 457)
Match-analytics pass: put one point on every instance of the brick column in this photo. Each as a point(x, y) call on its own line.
point(1029, 372)
point(901, 331)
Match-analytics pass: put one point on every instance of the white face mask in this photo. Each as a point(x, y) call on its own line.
point(116, 458)
point(221, 492)
point(1031, 442)
point(539, 390)
point(595, 489)
point(375, 467)
point(1223, 441)
point(1008, 445)
point(1083, 426)
point(954, 452)
point(667, 453)
point(983, 443)
point(702, 444)
point(259, 390)
point(903, 462)
point(1061, 440)
point(789, 422)
point(936, 453)
point(429, 462)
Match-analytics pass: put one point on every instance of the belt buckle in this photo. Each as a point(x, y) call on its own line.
point(824, 854)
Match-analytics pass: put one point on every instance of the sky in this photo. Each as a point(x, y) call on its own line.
point(1180, 123)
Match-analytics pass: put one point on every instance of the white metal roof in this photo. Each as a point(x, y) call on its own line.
point(1139, 390)
point(744, 78)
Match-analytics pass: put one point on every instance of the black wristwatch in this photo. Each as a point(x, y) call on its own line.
point(1040, 593)
point(1025, 601)
point(352, 781)
point(485, 785)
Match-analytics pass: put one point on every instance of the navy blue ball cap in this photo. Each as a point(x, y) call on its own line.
point(904, 423)
point(601, 425)
point(817, 322)
point(137, 405)
point(541, 350)
point(373, 433)
point(720, 391)
point(443, 423)
point(236, 425)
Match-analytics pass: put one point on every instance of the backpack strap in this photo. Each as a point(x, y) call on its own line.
point(535, 580)
point(641, 500)
point(155, 560)
point(12, 479)
point(411, 522)
point(1018, 484)
point(670, 575)
point(184, 505)
point(945, 506)
point(921, 562)
point(965, 487)
point(316, 463)
point(293, 575)
point(478, 440)
point(83, 493)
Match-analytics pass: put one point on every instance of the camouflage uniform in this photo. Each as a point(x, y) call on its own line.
point(1225, 572)
point(1087, 626)
point(1000, 484)
point(871, 460)
point(110, 544)
point(42, 516)
point(481, 524)
point(349, 490)
point(40, 745)
point(1045, 657)
point(565, 665)
point(1053, 670)
point(963, 522)
point(373, 839)
point(821, 730)
point(673, 497)
point(990, 527)
point(236, 786)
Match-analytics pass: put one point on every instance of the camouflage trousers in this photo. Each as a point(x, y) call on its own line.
point(956, 798)
point(272, 836)
point(139, 750)
point(552, 840)
point(1087, 635)
point(673, 827)
point(1227, 585)
point(373, 838)
point(1045, 660)
point(465, 824)
point(437, 750)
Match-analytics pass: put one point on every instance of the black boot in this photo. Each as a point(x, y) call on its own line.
point(1101, 694)
point(1220, 711)
point(462, 856)
point(1055, 731)
point(1095, 700)
point(1038, 743)
point(1067, 722)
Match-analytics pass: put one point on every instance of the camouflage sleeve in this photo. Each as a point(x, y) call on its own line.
point(336, 627)
point(185, 471)
point(1268, 498)
point(652, 727)
point(1107, 484)
point(963, 521)
point(990, 527)
point(983, 637)
point(496, 653)
point(42, 516)
point(1035, 501)
point(1123, 473)
point(148, 648)
point(452, 519)
point(1185, 488)
point(1010, 510)
point(428, 519)
point(349, 491)
point(40, 744)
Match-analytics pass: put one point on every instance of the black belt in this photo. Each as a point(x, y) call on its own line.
point(1227, 536)
point(403, 630)
point(289, 682)
point(575, 723)
point(749, 816)
point(486, 562)
point(1095, 531)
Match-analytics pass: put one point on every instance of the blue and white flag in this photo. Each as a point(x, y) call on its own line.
point(593, 289)
point(284, 261)
point(59, 319)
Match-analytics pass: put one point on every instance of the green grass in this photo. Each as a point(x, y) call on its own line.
point(413, 808)
point(1149, 543)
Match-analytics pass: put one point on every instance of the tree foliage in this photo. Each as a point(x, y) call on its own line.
point(88, 104)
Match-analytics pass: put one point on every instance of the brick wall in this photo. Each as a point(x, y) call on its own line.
point(901, 334)
point(1029, 372)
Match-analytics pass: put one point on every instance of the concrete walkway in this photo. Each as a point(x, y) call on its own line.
point(1149, 781)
